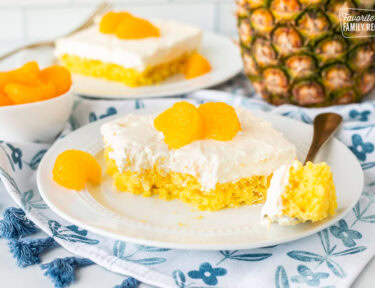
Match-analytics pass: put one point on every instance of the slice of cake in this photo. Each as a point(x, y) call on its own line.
point(213, 156)
point(300, 193)
point(128, 49)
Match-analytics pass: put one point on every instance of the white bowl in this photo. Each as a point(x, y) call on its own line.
point(38, 121)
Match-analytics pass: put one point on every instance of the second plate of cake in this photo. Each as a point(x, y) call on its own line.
point(221, 176)
point(222, 53)
point(106, 66)
point(124, 56)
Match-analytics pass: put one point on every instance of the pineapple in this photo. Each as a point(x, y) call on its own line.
point(293, 52)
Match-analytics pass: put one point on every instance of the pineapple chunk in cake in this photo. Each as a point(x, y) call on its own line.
point(300, 193)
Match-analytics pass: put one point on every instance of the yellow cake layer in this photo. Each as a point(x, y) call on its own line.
point(311, 194)
point(173, 185)
point(127, 76)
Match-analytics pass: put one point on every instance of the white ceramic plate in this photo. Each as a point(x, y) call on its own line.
point(222, 53)
point(174, 224)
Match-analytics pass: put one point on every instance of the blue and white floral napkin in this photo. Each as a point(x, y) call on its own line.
point(331, 258)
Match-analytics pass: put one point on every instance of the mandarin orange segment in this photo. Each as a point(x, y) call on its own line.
point(30, 67)
point(23, 78)
point(109, 22)
point(196, 66)
point(74, 168)
point(22, 94)
point(126, 26)
point(28, 84)
point(58, 76)
point(28, 74)
point(3, 80)
point(4, 100)
point(136, 28)
point(181, 124)
point(47, 91)
point(220, 121)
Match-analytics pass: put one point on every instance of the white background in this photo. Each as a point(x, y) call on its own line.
point(24, 21)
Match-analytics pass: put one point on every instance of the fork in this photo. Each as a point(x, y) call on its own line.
point(325, 125)
point(104, 6)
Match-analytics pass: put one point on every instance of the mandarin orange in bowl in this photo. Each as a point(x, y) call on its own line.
point(34, 103)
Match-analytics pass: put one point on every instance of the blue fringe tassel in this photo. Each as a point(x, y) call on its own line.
point(128, 283)
point(27, 251)
point(15, 224)
point(61, 270)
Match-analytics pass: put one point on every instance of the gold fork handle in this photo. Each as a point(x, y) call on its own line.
point(29, 46)
point(325, 125)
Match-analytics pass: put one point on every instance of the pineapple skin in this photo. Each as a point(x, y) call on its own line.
point(294, 53)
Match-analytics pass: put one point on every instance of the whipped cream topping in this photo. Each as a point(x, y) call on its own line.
point(272, 211)
point(176, 39)
point(257, 149)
